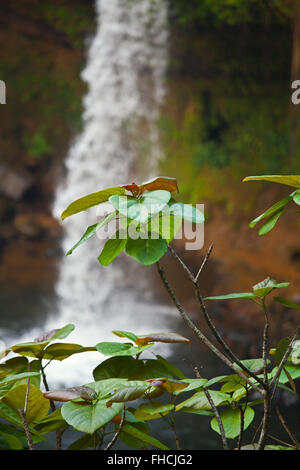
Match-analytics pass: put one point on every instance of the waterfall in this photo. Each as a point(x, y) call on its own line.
point(125, 73)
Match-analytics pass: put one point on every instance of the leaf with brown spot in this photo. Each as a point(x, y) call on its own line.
point(68, 394)
point(161, 338)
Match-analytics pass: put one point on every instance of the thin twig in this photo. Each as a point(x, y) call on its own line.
point(265, 343)
point(26, 429)
point(265, 422)
point(271, 437)
point(207, 318)
point(174, 429)
point(52, 405)
point(242, 414)
point(287, 429)
point(204, 262)
point(200, 335)
point(109, 446)
point(240, 439)
point(214, 409)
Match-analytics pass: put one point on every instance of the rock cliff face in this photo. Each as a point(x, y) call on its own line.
point(42, 53)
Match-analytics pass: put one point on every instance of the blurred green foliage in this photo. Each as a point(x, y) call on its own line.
point(227, 110)
point(40, 63)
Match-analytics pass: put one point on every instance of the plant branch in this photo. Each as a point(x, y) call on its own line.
point(265, 422)
point(214, 409)
point(109, 446)
point(286, 428)
point(265, 343)
point(26, 429)
point(204, 262)
point(218, 337)
point(52, 405)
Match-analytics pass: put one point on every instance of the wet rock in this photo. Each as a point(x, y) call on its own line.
point(13, 183)
point(27, 225)
point(6, 209)
point(36, 225)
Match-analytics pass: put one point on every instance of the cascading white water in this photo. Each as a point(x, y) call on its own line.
point(125, 73)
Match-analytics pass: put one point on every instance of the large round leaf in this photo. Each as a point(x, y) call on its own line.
point(231, 419)
point(146, 251)
point(125, 367)
point(37, 405)
point(89, 418)
point(140, 209)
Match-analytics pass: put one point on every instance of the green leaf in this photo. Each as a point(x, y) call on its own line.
point(129, 393)
point(123, 367)
point(187, 212)
point(135, 432)
point(36, 348)
point(281, 348)
point(90, 231)
point(199, 401)
point(270, 223)
point(263, 288)
point(277, 447)
point(90, 200)
point(61, 351)
point(63, 332)
point(153, 368)
point(276, 207)
point(289, 180)
point(13, 442)
point(154, 410)
point(292, 369)
point(166, 225)
point(197, 412)
point(113, 247)
point(16, 377)
point(133, 441)
point(286, 303)
point(37, 405)
point(10, 415)
point(19, 434)
point(140, 209)
point(296, 197)
point(252, 364)
point(89, 417)
point(120, 349)
point(30, 349)
point(51, 423)
point(58, 333)
point(231, 419)
point(233, 384)
point(169, 366)
point(146, 251)
point(193, 384)
point(85, 442)
point(125, 334)
point(13, 366)
point(240, 295)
